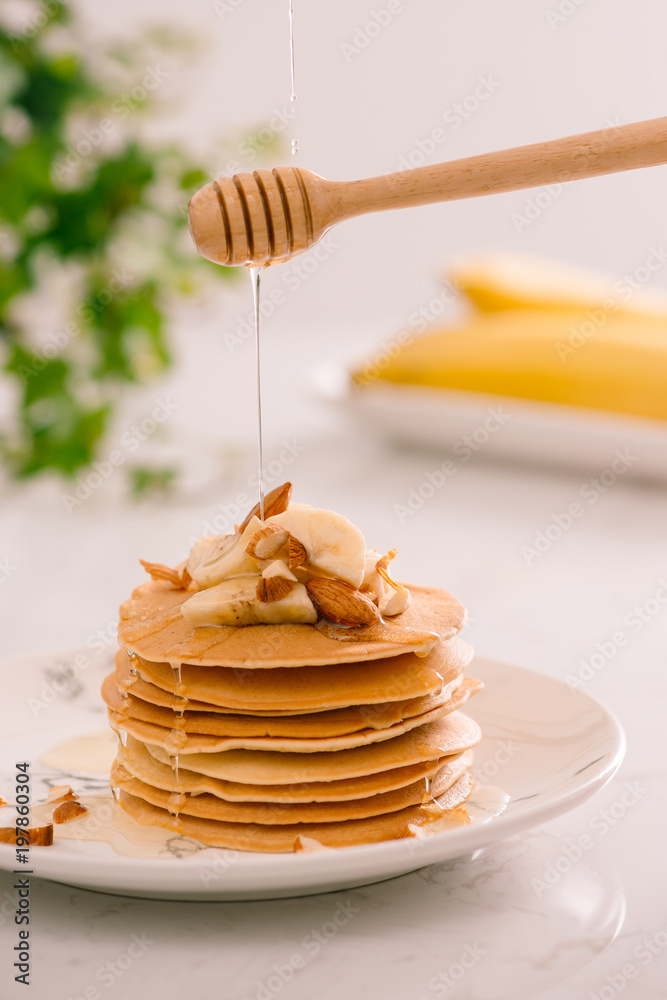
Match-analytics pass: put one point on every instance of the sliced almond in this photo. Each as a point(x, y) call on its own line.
point(187, 583)
point(384, 561)
point(273, 588)
point(275, 502)
point(381, 567)
point(158, 571)
point(297, 553)
point(38, 836)
point(340, 602)
point(279, 568)
point(268, 542)
point(59, 793)
point(67, 811)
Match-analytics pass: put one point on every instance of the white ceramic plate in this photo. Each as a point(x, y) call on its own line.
point(548, 746)
point(463, 425)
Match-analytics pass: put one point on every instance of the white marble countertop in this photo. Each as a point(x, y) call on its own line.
point(476, 928)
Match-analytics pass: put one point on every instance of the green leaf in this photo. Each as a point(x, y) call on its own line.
point(145, 480)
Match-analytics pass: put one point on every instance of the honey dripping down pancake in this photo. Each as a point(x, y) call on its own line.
point(283, 690)
point(139, 780)
point(137, 760)
point(336, 722)
point(280, 687)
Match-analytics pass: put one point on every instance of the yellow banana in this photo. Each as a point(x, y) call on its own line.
point(500, 281)
point(591, 358)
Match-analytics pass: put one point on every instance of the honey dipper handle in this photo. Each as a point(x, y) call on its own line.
point(590, 154)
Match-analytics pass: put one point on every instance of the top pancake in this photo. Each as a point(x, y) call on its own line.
point(151, 625)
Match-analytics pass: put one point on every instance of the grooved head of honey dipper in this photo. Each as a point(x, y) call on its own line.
point(206, 228)
point(254, 218)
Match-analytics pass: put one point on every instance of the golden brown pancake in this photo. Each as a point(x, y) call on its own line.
point(178, 741)
point(278, 838)
point(306, 689)
point(452, 734)
point(153, 627)
point(338, 722)
point(208, 806)
point(139, 762)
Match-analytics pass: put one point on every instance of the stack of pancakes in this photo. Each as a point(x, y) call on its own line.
point(271, 737)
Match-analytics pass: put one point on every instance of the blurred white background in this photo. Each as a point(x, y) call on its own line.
point(520, 72)
point(547, 68)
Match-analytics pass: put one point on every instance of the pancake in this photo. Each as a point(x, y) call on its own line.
point(310, 688)
point(208, 806)
point(338, 722)
point(452, 734)
point(152, 626)
point(283, 838)
point(183, 743)
point(134, 756)
point(283, 737)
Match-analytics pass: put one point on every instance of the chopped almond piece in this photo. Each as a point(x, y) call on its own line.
point(38, 836)
point(59, 793)
point(268, 542)
point(158, 571)
point(187, 583)
point(273, 588)
point(67, 811)
point(381, 567)
point(275, 502)
point(297, 553)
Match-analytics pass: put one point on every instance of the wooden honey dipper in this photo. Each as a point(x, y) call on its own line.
point(270, 215)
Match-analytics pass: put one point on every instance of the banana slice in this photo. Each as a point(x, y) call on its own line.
point(234, 602)
point(213, 558)
point(333, 543)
